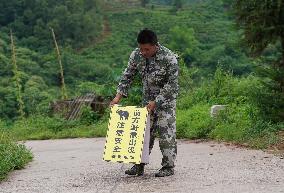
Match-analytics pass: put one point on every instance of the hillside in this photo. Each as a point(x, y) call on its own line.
point(202, 33)
point(95, 39)
point(214, 69)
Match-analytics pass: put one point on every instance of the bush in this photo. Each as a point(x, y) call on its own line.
point(12, 155)
point(242, 124)
point(41, 127)
point(195, 122)
point(88, 116)
point(243, 120)
point(44, 127)
point(232, 123)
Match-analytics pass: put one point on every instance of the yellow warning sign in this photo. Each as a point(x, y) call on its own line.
point(128, 134)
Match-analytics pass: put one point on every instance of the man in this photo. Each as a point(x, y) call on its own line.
point(159, 70)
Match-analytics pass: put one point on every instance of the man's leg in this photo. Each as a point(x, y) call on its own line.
point(168, 145)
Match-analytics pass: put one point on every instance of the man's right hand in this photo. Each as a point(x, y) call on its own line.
point(115, 100)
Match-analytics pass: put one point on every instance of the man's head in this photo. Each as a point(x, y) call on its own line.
point(148, 43)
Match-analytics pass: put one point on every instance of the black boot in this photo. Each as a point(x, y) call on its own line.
point(137, 169)
point(165, 171)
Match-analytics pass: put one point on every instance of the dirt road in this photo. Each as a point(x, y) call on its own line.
point(75, 165)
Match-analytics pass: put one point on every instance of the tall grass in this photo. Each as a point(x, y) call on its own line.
point(38, 127)
point(12, 155)
point(243, 120)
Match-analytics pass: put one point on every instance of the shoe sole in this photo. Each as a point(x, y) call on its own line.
point(130, 174)
point(138, 174)
point(157, 175)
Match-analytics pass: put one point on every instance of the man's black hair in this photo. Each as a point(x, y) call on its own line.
point(147, 36)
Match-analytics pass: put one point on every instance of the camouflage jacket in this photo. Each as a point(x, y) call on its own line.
point(159, 77)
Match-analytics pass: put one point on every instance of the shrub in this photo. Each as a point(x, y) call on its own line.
point(12, 155)
point(88, 116)
point(195, 122)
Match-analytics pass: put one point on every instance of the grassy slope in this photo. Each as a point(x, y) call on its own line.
point(210, 23)
point(213, 29)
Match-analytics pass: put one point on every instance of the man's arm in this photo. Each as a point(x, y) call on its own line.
point(126, 80)
point(169, 91)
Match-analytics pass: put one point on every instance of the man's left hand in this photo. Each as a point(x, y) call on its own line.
point(151, 106)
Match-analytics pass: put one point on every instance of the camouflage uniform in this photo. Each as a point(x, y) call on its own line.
point(160, 84)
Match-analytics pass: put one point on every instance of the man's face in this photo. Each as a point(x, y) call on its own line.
point(147, 50)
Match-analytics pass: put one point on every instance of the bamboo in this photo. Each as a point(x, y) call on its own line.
point(17, 78)
point(63, 88)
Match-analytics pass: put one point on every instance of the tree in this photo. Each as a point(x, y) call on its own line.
point(178, 4)
point(36, 95)
point(182, 40)
point(144, 2)
point(76, 21)
point(262, 21)
point(263, 25)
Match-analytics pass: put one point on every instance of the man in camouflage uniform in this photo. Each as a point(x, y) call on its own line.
point(158, 67)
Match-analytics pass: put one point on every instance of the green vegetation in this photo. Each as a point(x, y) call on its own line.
point(243, 120)
point(12, 155)
point(95, 40)
point(263, 28)
point(75, 22)
point(42, 127)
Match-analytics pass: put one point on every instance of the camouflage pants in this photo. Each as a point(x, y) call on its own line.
point(164, 122)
